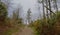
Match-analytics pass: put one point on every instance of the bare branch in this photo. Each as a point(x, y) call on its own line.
point(50, 10)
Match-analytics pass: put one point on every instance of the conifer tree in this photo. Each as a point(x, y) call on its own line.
point(29, 16)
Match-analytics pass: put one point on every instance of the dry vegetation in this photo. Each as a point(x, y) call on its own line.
point(48, 25)
point(43, 28)
point(8, 25)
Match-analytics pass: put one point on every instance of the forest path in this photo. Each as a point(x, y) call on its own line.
point(25, 31)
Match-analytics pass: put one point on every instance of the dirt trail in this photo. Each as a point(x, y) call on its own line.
point(25, 31)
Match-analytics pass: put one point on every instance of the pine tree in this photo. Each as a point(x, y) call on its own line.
point(29, 16)
point(3, 12)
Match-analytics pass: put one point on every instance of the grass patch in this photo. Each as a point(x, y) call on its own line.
point(11, 30)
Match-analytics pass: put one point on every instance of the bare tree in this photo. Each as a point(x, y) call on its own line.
point(43, 9)
point(49, 2)
point(17, 12)
point(55, 5)
point(8, 3)
point(47, 14)
point(39, 9)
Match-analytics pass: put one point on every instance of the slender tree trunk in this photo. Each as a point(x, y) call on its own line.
point(56, 5)
point(43, 9)
point(18, 13)
point(55, 1)
point(49, 1)
point(47, 11)
point(46, 8)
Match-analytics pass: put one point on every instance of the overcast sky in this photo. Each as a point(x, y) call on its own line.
point(25, 5)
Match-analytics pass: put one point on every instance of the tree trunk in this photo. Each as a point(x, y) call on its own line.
point(47, 11)
point(49, 1)
point(43, 9)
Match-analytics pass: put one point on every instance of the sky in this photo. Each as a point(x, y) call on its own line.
point(25, 5)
